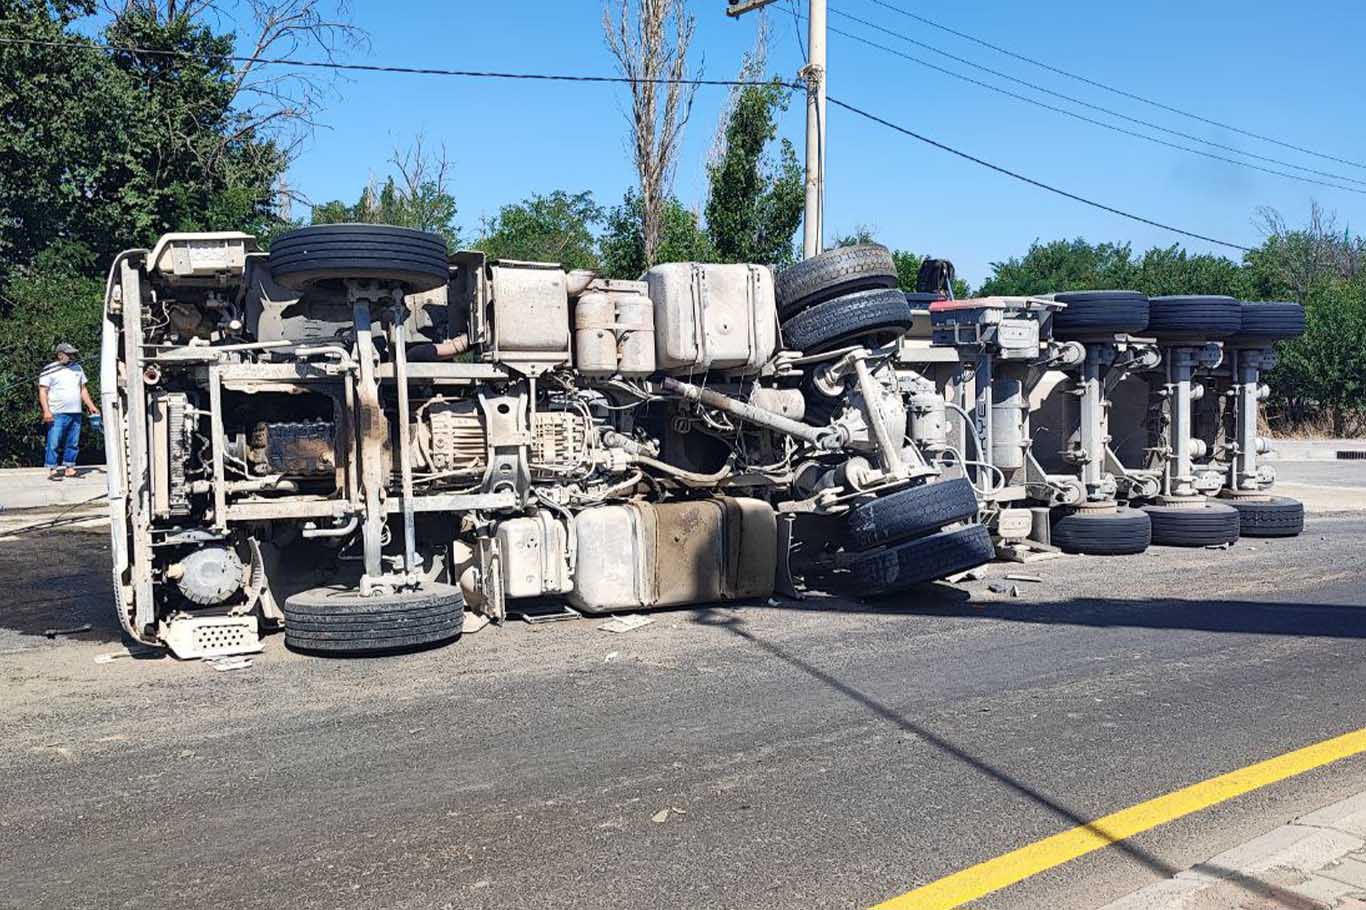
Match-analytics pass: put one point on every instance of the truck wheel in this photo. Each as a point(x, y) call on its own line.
point(338, 620)
point(330, 253)
point(833, 273)
point(1267, 322)
point(1205, 525)
point(1193, 318)
point(1100, 313)
point(1122, 532)
point(911, 513)
point(874, 317)
point(924, 559)
point(1278, 516)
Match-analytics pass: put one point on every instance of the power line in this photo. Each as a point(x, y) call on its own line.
point(561, 77)
point(1083, 103)
point(1109, 88)
point(1031, 181)
point(1101, 123)
point(371, 68)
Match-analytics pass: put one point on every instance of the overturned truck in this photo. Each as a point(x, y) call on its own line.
point(359, 437)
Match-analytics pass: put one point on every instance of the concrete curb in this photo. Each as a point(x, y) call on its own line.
point(1315, 449)
point(1319, 860)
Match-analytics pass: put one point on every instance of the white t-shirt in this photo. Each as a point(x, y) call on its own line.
point(63, 384)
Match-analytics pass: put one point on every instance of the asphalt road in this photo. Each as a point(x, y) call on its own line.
point(820, 754)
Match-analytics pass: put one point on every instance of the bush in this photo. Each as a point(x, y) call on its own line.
point(50, 301)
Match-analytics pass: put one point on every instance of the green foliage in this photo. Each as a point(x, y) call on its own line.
point(1326, 367)
point(53, 299)
point(754, 204)
point(553, 228)
point(621, 249)
point(426, 206)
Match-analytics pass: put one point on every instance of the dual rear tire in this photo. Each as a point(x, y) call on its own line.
point(336, 619)
point(841, 297)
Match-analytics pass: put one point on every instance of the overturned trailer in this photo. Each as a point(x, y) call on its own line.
point(358, 437)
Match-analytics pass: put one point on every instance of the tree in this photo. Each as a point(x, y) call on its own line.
point(553, 228)
point(754, 205)
point(651, 50)
point(621, 249)
point(1063, 265)
point(418, 198)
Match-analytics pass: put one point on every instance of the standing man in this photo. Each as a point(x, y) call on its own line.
point(61, 392)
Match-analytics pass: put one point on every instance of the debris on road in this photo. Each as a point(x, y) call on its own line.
point(626, 623)
point(473, 623)
point(141, 653)
point(660, 817)
point(224, 664)
point(998, 588)
point(74, 630)
point(1034, 578)
point(611, 656)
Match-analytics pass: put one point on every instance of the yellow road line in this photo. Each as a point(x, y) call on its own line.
point(1007, 869)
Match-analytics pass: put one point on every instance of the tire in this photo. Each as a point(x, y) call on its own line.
point(338, 620)
point(1267, 322)
point(330, 253)
point(1279, 516)
point(873, 316)
point(925, 559)
point(1193, 318)
point(1100, 313)
point(910, 513)
point(1122, 532)
point(1210, 524)
point(833, 273)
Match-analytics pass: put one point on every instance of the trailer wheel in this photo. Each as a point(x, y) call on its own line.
point(338, 620)
point(914, 562)
point(833, 273)
point(1100, 313)
point(1193, 318)
point(330, 253)
point(1267, 322)
point(1122, 532)
point(911, 513)
point(875, 317)
point(1278, 516)
point(1208, 524)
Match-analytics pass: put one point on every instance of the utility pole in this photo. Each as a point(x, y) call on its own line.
point(814, 76)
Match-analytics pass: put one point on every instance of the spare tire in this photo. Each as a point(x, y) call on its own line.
point(1276, 516)
point(1206, 525)
point(1193, 318)
point(1267, 322)
point(339, 620)
point(873, 317)
point(1100, 313)
point(911, 513)
point(331, 253)
point(924, 559)
point(1122, 532)
point(833, 273)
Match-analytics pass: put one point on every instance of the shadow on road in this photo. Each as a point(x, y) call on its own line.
point(735, 624)
point(58, 579)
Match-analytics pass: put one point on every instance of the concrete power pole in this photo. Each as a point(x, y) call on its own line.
point(814, 75)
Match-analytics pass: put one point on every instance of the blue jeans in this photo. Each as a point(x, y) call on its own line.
point(64, 436)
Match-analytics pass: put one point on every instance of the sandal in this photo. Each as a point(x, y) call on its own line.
point(69, 472)
point(54, 474)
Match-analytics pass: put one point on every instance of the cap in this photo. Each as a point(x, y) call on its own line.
point(65, 348)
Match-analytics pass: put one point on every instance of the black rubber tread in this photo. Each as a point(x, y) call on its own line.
point(1279, 516)
point(339, 619)
point(912, 512)
point(914, 562)
point(1193, 317)
point(441, 628)
point(1100, 312)
point(1268, 321)
point(921, 300)
point(331, 252)
point(1122, 532)
point(1207, 525)
point(833, 273)
point(875, 316)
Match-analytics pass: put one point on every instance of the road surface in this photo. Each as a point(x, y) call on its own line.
point(818, 754)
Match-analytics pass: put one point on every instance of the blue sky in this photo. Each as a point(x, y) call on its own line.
point(1285, 70)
